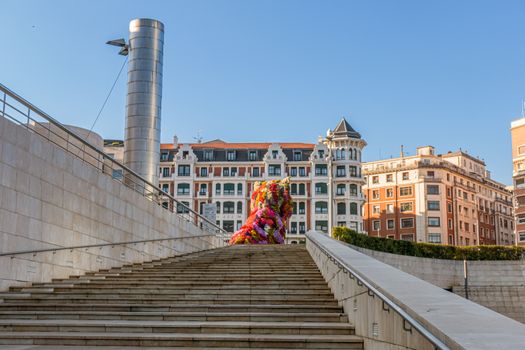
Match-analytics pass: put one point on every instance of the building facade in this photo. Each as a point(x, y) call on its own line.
point(325, 178)
point(446, 198)
point(517, 131)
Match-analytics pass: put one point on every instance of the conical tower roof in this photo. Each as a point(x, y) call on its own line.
point(344, 129)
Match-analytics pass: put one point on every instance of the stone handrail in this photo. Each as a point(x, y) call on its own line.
point(444, 319)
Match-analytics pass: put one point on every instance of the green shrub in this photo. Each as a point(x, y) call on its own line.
point(428, 250)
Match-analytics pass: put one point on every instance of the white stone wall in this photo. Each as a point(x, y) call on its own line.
point(49, 198)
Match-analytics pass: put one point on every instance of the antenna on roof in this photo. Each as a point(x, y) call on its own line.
point(198, 137)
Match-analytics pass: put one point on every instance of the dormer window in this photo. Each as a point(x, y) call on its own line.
point(208, 155)
point(230, 155)
point(321, 153)
point(163, 156)
point(274, 154)
point(252, 155)
point(297, 155)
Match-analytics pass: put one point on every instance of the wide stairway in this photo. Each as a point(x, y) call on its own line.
point(270, 297)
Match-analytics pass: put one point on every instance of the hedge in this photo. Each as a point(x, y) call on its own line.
point(428, 250)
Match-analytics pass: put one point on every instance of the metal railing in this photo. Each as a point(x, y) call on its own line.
point(101, 245)
point(390, 304)
point(23, 113)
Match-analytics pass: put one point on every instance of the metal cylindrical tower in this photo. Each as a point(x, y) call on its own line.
point(143, 104)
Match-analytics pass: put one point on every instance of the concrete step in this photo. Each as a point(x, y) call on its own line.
point(143, 326)
point(260, 341)
point(176, 316)
point(171, 307)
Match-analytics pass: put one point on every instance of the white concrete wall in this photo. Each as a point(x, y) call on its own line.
point(448, 273)
point(49, 198)
point(458, 323)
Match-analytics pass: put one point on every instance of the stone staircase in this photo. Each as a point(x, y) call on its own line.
point(270, 297)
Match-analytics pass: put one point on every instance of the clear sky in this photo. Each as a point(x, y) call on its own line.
point(447, 73)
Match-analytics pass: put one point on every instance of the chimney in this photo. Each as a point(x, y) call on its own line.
point(143, 104)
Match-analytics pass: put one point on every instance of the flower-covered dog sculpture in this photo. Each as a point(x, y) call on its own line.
point(271, 207)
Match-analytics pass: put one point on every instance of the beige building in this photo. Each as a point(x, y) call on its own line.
point(517, 130)
point(437, 198)
point(326, 179)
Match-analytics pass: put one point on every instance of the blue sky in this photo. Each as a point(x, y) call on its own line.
point(445, 73)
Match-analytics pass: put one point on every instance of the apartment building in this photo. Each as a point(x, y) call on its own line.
point(437, 198)
point(517, 131)
point(326, 179)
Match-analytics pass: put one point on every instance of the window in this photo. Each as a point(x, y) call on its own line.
point(166, 172)
point(450, 224)
point(166, 188)
point(239, 207)
point(226, 171)
point(252, 155)
point(302, 209)
point(302, 227)
point(433, 205)
point(293, 171)
point(353, 208)
point(405, 191)
point(227, 225)
point(407, 237)
point(203, 172)
point(320, 153)
point(321, 225)
point(340, 190)
point(376, 209)
point(407, 223)
point(117, 174)
point(208, 155)
point(341, 209)
point(340, 171)
point(375, 194)
point(521, 219)
point(302, 171)
point(183, 189)
point(432, 189)
point(255, 172)
point(404, 207)
point(231, 155)
point(434, 238)
point(376, 225)
point(293, 227)
point(274, 170)
point(183, 170)
point(321, 207)
point(202, 190)
point(430, 174)
point(375, 179)
point(293, 189)
point(233, 171)
point(321, 188)
point(302, 189)
point(433, 221)
point(218, 189)
point(321, 170)
point(218, 208)
point(163, 156)
point(390, 224)
point(239, 189)
point(389, 178)
point(522, 236)
point(341, 223)
point(165, 205)
point(274, 154)
point(353, 189)
point(229, 207)
point(449, 207)
point(183, 208)
point(352, 170)
point(390, 208)
point(389, 193)
point(229, 189)
point(405, 176)
point(297, 155)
